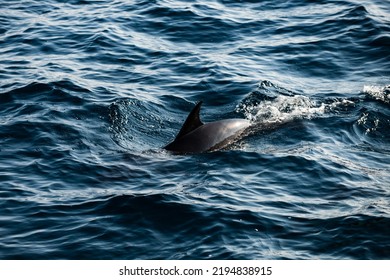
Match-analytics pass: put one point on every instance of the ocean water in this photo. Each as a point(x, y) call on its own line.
point(91, 90)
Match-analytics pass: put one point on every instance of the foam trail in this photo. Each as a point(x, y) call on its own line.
point(380, 93)
point(284, 109)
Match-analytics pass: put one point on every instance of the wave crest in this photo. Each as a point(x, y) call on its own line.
point(380, 93)
point(270, 103)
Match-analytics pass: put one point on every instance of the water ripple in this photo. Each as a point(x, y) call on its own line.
point(91, 90)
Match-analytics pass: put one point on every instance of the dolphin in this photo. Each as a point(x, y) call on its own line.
point(197, 137)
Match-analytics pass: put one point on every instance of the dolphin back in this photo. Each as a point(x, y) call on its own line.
point(197, 137)
point(210, 136)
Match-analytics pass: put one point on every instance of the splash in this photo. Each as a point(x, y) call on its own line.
point(380, 93)
point(370, 123)
point(273, 104)
point(283, 109)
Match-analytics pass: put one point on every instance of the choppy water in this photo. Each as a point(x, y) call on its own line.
point(91, 90)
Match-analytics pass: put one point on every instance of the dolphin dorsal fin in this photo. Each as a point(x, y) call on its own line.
point(192, 122)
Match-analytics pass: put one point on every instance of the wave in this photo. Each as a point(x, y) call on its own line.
point(380, 93)
point(270, 104)
point(88, 90)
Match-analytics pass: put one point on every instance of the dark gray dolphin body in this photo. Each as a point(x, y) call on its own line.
point(197, 137)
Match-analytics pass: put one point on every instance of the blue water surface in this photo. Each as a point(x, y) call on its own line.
point(91, 90)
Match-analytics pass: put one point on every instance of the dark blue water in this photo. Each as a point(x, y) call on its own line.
point(91, 90)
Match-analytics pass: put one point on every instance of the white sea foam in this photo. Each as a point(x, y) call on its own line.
point(287, 108)
point(381, 93)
